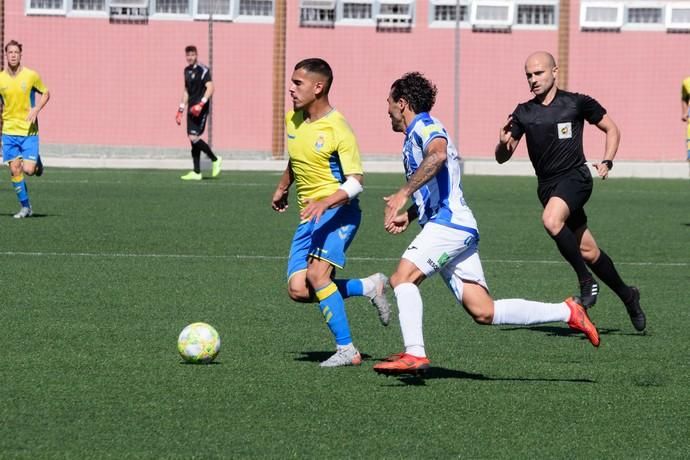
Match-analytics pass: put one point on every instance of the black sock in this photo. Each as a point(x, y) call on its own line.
point(606, 271)
point(196, 157)
point(204, 147)
point(570, 250)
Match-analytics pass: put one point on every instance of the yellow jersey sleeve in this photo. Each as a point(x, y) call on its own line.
point(19, 95)
point(322, 153)
point(347, 149)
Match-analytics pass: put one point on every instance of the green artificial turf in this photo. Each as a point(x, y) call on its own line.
point(99, 284)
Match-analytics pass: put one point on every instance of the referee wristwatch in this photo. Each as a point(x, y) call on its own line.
point(608, 163)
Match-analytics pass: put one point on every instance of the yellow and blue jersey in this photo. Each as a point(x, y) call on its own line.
point(322, 153)
point(685, 89)
point(18, 95)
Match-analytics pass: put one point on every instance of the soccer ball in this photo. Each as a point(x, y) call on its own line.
point(198, 343)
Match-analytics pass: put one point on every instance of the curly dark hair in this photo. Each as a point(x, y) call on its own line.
point(416, 89)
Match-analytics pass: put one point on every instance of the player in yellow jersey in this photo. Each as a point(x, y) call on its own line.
point(326, 168)
point(685, 107)
point(19, 86)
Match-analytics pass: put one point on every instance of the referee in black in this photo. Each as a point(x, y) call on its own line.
point(553, 122)
point(198, 89)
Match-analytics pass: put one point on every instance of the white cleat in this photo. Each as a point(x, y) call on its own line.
point(378, 297)
point(345, 356)
point(24, 212)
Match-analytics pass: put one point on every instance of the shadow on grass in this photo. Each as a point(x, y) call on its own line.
point(566, 332)
point(318, 356)
point(443, 373)
point(33, 216)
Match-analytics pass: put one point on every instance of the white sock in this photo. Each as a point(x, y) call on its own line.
point(410, 312)
point(521, 312)
point(368, 286)
point(344, 347)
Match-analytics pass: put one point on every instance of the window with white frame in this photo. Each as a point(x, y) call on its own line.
point(601, 15)
point(358, 10)
point(46, 6)
point(492, 14)
point(317, 13)
point(536, 15)
point(678, 16)
point(88, 5)
point(256, 8)
point(216, 7)
point(176, 7)
point(446, 12)
point(395, 14)
point(645, 15)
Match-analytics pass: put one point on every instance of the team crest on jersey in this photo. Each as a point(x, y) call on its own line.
point(565, 130)
point(320, 141)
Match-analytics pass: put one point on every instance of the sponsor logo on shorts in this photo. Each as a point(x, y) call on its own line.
point(409, 248)
point(433, 264)
point(443, 259)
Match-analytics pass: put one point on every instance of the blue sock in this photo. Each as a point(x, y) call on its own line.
point(349, 288)
point(20, 189)
point(332, 307)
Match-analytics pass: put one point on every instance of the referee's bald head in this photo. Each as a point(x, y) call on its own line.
point(542, 56)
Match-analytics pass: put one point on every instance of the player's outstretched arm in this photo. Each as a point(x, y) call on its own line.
point(506, 144)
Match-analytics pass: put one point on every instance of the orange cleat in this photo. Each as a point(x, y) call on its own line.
point(404, 364)
point(393, 357)
point(580, 321)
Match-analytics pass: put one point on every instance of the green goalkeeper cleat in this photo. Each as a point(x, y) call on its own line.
point(191, 175)
point(215, 167)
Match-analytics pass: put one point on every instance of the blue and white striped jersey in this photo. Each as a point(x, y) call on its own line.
point(441, 199)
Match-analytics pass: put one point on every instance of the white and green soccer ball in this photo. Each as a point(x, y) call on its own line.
point(198, 343)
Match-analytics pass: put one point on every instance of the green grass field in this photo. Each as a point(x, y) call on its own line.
point(99, 284)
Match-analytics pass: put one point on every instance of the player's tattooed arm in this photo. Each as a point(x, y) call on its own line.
point(436, 154)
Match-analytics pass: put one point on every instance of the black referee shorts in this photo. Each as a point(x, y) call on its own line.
point(197, 125)
point(573, 187)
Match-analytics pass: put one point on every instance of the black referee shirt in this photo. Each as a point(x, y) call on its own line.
point(195, 79)
point(554, 131)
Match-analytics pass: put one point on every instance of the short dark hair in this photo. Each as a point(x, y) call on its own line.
point(317, 65)
point(416, 89)
point(13, 43)
point(190, 49)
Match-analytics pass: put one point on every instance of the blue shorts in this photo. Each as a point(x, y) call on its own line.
point(25, 147)
point(326, 240)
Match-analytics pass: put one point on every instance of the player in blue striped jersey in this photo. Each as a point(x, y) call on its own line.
point(448, 242)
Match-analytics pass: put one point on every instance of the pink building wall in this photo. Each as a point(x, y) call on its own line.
point(119, 85)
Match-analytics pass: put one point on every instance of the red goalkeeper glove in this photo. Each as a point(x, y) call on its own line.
point(196, 109)
point(178, 116)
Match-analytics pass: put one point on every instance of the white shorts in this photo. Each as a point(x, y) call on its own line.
point(452, 252)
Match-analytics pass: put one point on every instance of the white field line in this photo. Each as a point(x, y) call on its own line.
point(267, 257)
